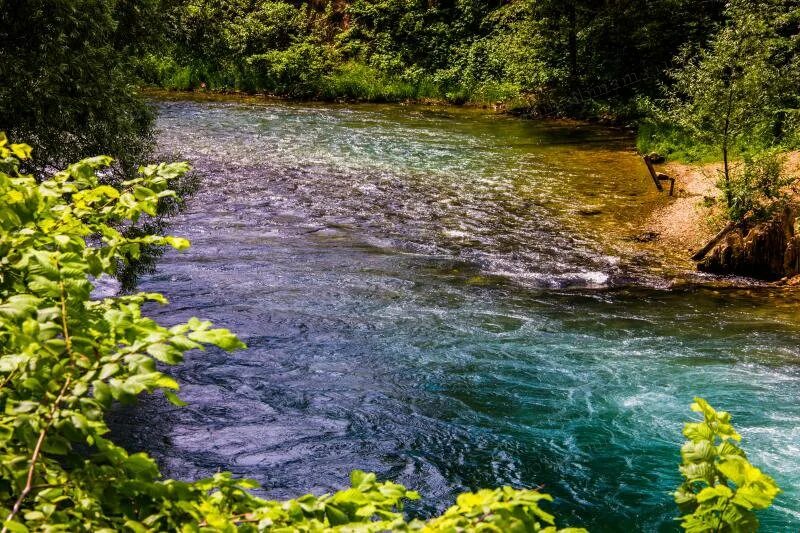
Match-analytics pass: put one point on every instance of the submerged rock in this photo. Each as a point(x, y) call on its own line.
point(767, 250)
point(647, 236)
point(590, 210)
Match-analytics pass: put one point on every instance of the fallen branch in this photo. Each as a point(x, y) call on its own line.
point(713, 242)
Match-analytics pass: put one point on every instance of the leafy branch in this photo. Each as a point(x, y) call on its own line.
point(721, 489)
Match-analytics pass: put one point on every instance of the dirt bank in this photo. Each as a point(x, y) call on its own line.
point(687, 221)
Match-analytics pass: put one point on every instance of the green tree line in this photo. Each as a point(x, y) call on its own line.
point(699, 80)
point(531, 53)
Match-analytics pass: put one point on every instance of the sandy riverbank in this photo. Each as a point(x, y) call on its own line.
point(688, 220)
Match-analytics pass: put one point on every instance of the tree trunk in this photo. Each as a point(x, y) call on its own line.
point(725, 137)
point(572, 18)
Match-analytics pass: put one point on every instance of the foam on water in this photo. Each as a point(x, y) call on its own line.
point(421, 300)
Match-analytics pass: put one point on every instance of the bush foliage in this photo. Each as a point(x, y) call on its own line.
point(564, 53)
point(66, 86)
point(721, 489)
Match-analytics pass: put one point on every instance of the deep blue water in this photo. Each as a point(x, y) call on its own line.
point(422, 298)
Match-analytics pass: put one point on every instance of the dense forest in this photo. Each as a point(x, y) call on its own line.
point(561, 57)
point(695, 80)
point(661, 65)
point(690, 76)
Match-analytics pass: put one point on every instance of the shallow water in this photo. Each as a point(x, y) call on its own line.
point(453, 300)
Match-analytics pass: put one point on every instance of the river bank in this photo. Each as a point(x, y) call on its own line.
point(687, 221)
point(691, 218)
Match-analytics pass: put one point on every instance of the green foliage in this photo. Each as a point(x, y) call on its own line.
point(498, 510)
point(759, 187)
point(673, 142)
point(721, 489)
point(66, 85)
point(356, 81)
point(555, 57)
point(294, 72)
point(739, 87)
point(732, 93)
point(736, 98)
point(65, 358)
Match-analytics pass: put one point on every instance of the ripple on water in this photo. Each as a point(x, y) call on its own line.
point(398, 275)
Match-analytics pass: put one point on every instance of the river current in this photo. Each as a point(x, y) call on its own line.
point(453, 300)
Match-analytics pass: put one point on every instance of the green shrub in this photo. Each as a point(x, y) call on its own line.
point(492, 92)
point(721, 489)
point(295, 72)
point(65, 78)
point(357, 81)
point(165, 72)
point(759, 186)
point(672, 142)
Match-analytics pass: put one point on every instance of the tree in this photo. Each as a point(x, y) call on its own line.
point(66, 84)
point(572, 54)
point(734, 93)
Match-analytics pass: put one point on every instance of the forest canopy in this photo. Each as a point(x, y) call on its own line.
point(641, 63)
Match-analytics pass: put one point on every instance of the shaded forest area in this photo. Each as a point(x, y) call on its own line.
point(664, 66)
point(570, 57)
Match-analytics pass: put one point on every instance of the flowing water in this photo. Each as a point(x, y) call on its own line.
point(453, 300)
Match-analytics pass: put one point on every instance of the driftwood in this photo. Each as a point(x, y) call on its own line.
point(658, 177)
point(713, 242)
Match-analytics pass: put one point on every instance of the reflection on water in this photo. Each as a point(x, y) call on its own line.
point(441, 296)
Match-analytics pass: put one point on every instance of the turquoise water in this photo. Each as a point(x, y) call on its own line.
point(449, 298)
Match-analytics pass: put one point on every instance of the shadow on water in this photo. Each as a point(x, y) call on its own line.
point(422, 297)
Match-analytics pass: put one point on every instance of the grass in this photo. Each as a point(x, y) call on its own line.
point(349, 81)
point(356, 81)
point(678, 145)
point(674, 144)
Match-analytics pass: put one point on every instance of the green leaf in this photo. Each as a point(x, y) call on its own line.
point(710, 493)
point(142, 193)
point(22, 151)
point(164, 353)
point(222, 338)
point(177, 242)
point(25, 406)
point(102, 392)
point(167, 382)
point(734, 469)
point(15, 526)
point(19, 305)
point(173, 398)
point(136, 527)
point(335, 516)
point(108, 370)
point(6, 432)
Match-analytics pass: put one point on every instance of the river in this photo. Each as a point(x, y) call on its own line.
point(454, 300)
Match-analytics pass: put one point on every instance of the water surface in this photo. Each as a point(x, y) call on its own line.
point(453, 300)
